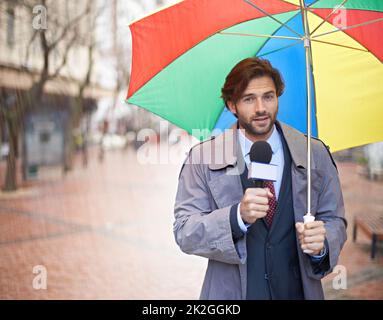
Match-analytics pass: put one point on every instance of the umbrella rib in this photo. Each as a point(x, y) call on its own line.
point(349, 27)
point(328, 16)
point(279, 49)
point(275, 19)
point(339, 45)
point(258, 35)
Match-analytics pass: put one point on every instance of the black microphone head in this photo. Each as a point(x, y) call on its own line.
point(261, 152)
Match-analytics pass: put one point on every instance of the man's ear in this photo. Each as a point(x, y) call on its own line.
point(232, 107)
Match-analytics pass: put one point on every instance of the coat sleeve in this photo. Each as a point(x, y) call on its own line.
point(198, 229)
point(331, 211)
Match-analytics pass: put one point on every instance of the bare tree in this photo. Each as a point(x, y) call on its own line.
point(64, 36)
point(60, 37)
point(10, 113)
point(80, 99)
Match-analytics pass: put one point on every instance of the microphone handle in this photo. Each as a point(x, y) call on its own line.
point(257, 183)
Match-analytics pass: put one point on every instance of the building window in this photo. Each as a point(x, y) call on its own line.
point(10, 27)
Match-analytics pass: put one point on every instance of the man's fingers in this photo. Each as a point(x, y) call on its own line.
point(259, 214)
point(311, 236)
point(317, 238)
point(300, 227)
point(257, 192)
point(261, 200)
point(269, 194)
point(314, 224)
point(256, 198)
point(255, 214)
point(250, 202)
point(313, 232)
point(316, 246)
point(254, 204)
point(258, 207)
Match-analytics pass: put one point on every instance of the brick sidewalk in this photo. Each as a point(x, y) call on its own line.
point(365, 276)
point(105, 232)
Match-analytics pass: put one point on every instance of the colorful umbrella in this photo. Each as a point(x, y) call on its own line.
point(182, 54)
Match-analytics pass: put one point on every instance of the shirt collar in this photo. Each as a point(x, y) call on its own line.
point(274, 140)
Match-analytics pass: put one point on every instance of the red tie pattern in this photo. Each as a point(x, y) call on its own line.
point(272, 203)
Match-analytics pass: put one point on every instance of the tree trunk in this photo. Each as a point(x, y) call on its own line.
point(69, 145)
point(11, 176)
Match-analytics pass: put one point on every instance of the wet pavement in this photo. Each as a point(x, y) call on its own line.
point(105, 232)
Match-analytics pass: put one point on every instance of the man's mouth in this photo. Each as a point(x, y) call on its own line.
point(261, 119)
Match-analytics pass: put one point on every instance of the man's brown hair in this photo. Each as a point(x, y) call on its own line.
point(246, 70)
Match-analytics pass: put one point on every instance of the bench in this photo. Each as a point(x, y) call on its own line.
point(372, 226)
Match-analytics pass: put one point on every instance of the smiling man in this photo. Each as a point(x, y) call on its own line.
point(254, 238)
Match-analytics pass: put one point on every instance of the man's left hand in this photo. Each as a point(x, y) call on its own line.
point(311, 236)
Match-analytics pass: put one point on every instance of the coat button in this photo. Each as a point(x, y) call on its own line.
point(268, 276)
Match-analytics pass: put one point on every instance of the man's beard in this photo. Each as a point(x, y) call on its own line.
point(252, 130)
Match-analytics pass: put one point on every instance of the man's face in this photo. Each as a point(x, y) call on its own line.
point(257, 109)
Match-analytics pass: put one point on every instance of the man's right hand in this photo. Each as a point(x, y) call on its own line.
point(254, 204)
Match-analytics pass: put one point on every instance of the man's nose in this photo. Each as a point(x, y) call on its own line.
point(260, 105)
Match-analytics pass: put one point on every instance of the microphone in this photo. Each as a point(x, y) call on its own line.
point(260, 167)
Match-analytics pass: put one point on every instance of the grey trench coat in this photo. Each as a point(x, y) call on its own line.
point(209, 184)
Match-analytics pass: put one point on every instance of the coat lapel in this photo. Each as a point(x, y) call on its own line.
point(297, 145)
point(225, 183)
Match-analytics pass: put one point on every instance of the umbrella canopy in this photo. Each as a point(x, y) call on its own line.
point(182, 54)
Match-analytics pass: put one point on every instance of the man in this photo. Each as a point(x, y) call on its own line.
point(254, 238)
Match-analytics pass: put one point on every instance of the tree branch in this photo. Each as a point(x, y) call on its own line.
point(65, 57)
point(70, 25)
point(29, 47)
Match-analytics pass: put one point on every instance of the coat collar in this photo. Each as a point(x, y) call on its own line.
point(297, 144)
point(228, 142)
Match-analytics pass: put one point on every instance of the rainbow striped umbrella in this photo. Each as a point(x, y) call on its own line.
point(329, 52)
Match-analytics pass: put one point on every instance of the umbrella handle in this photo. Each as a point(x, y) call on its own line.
point(306, 219)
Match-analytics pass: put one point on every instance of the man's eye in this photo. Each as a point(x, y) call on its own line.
point(269, 97)
point(248, 99)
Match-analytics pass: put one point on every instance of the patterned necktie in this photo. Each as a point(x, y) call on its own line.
point(272, 203)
